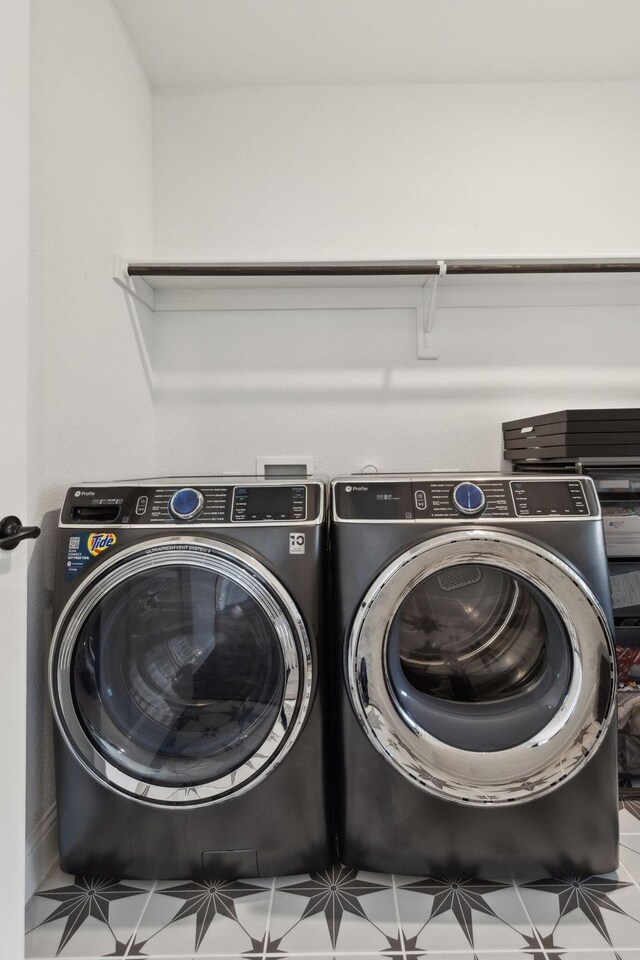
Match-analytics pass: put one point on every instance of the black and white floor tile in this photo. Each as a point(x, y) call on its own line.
point(630, 815)
point(204, 918)
point(340, 910)
point(343, 914)
point(84, 917)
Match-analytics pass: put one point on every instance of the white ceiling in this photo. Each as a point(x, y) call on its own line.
point(213, 42)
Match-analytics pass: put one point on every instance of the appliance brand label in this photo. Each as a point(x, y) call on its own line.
point(99, 542)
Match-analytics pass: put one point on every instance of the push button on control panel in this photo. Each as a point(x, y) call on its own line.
point(141, 506)
point(468, 498)
point(421, 500)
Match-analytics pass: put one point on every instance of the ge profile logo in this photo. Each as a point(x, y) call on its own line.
point(348, 489)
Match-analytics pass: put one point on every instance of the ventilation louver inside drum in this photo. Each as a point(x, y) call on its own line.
point(457, 577)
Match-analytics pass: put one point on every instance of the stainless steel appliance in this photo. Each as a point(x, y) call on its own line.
point(476, 675)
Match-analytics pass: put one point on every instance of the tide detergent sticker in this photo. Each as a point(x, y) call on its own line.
point(99, 542)
point(83, 549)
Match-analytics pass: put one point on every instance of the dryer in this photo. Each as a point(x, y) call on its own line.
point(476, 676)
point(186, 679)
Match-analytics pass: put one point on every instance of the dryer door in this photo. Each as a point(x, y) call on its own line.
point(181, 673)
point(482, 667)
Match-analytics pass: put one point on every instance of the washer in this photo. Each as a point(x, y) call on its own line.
point(476, 676)
point(185, 679)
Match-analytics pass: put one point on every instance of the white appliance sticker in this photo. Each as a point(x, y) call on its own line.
point(296, 543)
point(625, 589)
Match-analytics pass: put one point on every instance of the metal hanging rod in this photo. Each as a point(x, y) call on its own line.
point(381, 268)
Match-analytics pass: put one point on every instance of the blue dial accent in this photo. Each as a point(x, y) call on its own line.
point(468, 498)
point(186, 503)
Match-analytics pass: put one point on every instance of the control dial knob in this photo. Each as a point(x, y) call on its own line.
point(468, 498)
point(186, 504)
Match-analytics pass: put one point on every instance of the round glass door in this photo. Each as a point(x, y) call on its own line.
point(482, 667)
point(179, 675)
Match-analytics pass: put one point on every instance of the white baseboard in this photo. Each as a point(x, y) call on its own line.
point(42, 851)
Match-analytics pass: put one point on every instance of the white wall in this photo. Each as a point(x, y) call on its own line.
point(346, 387)
point(397, 172)
point(391, 172)
point(91, 415)
point(14, 283)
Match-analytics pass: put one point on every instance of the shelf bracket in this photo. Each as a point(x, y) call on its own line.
point(136, 287)
point(427, 310)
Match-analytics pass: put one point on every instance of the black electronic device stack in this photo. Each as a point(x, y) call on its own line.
point(570, 434)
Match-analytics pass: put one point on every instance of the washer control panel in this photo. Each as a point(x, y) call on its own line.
point(199, 503)
point(483, 499)
point(466, 498)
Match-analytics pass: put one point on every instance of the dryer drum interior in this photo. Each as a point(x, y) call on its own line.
point(181, 676)
point(482, 662)
point(471, 633)
point(482, 668)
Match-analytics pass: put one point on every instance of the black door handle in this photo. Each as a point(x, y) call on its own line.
point(12, 533)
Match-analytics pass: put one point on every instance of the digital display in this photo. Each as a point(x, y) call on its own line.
point(549, 499)
point(269, 503)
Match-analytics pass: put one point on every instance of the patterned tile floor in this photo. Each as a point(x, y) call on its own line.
point(343, 913)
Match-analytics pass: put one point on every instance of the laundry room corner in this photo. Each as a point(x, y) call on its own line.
point(90, 408)
point(332, 646)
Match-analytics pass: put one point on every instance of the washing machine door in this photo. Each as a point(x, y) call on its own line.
point(482, 667)
point(181, 673)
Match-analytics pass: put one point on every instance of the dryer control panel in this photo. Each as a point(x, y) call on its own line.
point(196, 502)
point(380, 499)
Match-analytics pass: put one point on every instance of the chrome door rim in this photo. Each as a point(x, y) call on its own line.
point(541, 763)
point(264, 588)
